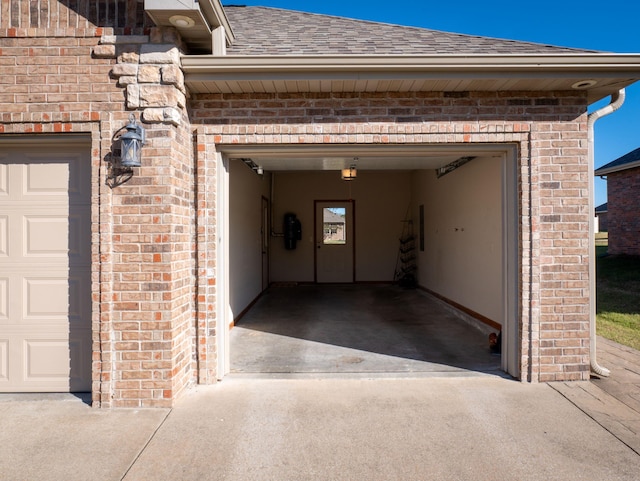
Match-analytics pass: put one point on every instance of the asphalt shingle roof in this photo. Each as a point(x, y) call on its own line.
point(620, 162)
point(273, 31)
point(332, 217)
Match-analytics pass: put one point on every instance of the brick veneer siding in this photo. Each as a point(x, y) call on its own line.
point(206, 250)
point(623, 206)
point(57, 77)
point(553, 179)
point(21, 18)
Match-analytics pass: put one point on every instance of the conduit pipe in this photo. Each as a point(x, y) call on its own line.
point(617, 100)
point(271, 202)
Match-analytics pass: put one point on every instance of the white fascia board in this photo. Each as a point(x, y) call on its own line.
point(214, 7)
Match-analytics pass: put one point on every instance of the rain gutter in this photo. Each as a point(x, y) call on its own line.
point(483, 65)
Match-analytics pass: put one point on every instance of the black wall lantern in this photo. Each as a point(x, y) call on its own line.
point(126, 152)
point(132, 141)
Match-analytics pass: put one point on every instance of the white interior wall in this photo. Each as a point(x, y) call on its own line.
point(246, 190)
point(381, 202)
point(463, 254)
point(464, 265)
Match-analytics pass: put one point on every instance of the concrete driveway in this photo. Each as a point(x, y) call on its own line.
point(463, 428)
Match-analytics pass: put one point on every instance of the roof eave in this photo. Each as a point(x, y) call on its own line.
point(610, 170)
point(616, 70)
point(204, 15)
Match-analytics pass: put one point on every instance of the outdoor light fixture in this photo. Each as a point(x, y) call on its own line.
point(132, 142)
point(126, 152)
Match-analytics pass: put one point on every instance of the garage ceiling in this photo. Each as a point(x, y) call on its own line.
point(335, 157)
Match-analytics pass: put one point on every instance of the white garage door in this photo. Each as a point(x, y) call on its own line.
point(45, 282)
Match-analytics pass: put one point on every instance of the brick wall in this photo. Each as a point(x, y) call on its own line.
point(553, 179)
point(57, 76)
point(206, 253)
point(153, 223)
point(623, 197)
point(560, 152)
point(71, 17)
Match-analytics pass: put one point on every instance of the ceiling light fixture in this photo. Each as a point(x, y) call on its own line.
point(584, 84)
point(350, 173)
point(181, 21)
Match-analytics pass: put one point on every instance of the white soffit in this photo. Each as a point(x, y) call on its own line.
point(353, 73)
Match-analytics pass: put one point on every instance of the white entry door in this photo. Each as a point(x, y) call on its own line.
point(45, 261)
point(334, 232)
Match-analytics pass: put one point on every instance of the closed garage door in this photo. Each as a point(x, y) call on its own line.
point(45, 288)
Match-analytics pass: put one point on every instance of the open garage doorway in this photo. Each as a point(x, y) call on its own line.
point(460, 203)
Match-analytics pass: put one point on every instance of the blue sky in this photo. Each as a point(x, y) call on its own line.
point(587, 24)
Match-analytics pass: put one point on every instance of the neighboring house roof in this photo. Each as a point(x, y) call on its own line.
point(602, 208)
point(332, 218)
point(274, 31)
point(627, 161)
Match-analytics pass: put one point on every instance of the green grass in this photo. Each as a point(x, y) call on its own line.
point(618, 296)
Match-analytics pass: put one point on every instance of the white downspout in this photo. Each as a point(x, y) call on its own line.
point(617, 100)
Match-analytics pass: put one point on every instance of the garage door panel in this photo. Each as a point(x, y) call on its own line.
point(61, 175)
point(42, 177)
point(4, 177)
point(46, 298)
point(46, 235)
point(28, 296)
point(4, 361)
point(79, 238)
point(4, 300)
point(41, 233)
point(4, 235)
point(79, 299)
point(46, 359)
point(80, 367)
point(78, 180)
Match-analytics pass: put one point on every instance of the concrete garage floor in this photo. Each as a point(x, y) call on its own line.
point(345, 330)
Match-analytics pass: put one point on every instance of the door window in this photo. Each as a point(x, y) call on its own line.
point(334, 225)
